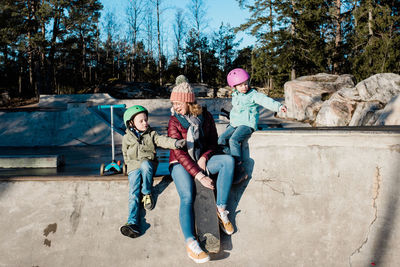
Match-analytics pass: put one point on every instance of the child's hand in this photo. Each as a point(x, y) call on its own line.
point(180, 143)
point(283, 108)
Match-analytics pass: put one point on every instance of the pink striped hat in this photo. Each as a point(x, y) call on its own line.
point(183, 92)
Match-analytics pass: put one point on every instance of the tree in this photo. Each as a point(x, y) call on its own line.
point(11, 44)
point(197, 10)
point(111, 43)
point(160, 66)
point(179, 32)
point(376, 38)
point(81, 26)
point(224, 45)
point(135, 20)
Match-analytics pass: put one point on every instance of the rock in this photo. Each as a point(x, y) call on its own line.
point(362, 104)
point(331, 100)
point(364, 112)
point(337, 111)
point(390, 115)
point(380, 87)
point(200, 89)
point(4, 99)
point(304, 96)
point(224, 92)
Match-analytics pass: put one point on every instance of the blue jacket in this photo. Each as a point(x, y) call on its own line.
point(245, 107)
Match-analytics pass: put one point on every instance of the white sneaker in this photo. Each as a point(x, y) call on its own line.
point(196, 253)
point(224, 222)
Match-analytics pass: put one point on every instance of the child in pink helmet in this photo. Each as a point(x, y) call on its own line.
point(243, 117)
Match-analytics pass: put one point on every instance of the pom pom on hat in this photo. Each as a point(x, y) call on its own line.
point(183, 92)
point(181, 79)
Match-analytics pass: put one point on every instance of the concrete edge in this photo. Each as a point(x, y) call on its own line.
point(107, 178)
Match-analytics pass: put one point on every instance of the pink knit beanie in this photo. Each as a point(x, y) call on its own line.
point(183, 92)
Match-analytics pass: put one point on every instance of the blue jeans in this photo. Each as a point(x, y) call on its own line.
point(144, 176)
point(235, 135)
point(184, 182)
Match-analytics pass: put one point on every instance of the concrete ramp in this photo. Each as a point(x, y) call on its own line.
point(327, 198)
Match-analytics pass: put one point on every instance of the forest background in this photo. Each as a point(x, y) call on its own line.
point(55, 46)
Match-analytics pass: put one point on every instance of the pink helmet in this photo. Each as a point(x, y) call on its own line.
point(237, 76)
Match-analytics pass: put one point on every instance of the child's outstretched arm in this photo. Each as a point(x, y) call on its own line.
point(268, 102)
point(167, 142)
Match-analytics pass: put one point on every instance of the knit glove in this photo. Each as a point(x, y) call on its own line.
point(180, 143)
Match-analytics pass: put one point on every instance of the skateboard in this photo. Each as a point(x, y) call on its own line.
point(206, 219)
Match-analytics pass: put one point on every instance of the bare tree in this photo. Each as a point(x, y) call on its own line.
point(135, 20)
point(179, 33)
point(110, 28)
point(149, 29)
point(158, 4)
point(197, 9)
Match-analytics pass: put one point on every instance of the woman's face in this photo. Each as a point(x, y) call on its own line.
point(181, 108)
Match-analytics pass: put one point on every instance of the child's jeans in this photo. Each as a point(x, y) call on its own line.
point(235, 135)
point(144, 176)
point(184, 182)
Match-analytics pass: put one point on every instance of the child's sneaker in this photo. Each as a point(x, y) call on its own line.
point(148, 202)
point(224, 222)
point(131, 230)
point(196, 253)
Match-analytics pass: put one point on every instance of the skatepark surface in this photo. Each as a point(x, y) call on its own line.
point(315, 198)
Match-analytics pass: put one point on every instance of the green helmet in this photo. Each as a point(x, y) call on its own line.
point(131, 112)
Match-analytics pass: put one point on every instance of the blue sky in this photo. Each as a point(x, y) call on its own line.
point(217, 11)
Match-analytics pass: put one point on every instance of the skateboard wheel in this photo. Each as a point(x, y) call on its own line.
point(102, 169)
point(119, 163)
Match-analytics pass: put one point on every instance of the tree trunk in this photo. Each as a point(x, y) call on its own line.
point(21, 70)
point(370, 30)
point(159, 44)
point(30, 55)
point(51, 77)
point(201, 66)
point(83, 63)
point(338, 36)
point(271, 29)
point(292, 32)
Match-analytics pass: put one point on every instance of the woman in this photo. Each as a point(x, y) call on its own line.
point(191, 122)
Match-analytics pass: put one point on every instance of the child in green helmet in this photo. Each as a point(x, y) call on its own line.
point(139, 150)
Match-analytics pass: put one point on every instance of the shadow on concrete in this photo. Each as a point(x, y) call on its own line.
point(237, 191)
point(160, 187)
point(144, 225)
point(4, 186)
point(157, 190)
point(384, 235)
point(79, 160)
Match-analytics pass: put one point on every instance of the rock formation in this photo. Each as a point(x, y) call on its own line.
point(333, 100)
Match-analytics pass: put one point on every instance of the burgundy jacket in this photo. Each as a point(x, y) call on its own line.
point(176, 130)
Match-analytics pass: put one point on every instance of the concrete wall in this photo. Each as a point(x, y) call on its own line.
point(64, 120)
point(314, 199)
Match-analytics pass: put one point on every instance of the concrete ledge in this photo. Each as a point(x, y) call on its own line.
point(31, 161)
point(314, 199)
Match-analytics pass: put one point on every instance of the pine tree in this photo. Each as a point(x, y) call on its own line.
point(223, 42)
point(376, 39)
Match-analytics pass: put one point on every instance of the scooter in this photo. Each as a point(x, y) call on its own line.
point(113, 167)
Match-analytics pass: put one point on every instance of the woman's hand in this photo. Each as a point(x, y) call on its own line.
point(207, 182)
point(202, 162)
